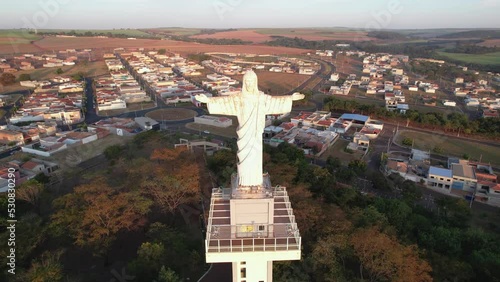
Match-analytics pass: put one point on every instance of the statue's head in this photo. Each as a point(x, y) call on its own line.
point(250, 83)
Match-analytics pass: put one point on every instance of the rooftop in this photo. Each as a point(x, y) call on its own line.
point(440, 171)
point(463, 170)
point(355, 117)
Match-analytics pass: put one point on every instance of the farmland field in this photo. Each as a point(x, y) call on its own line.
point(275, 83)
point(262, 35)
point(318, 34)
point(128, 32)
point(89, 69)
point(487, 59)
point(245, 35)
point(490, 43)
point(57, 43)
point(16, 41)
point(173, 31)
point(17, 37)
point(452, 146)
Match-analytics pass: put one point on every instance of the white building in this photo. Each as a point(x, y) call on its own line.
point(214, 121)
point(334, 77)
point(147, 123)
point(440, 178)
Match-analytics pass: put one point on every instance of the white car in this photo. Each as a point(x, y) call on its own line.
point(206, 132)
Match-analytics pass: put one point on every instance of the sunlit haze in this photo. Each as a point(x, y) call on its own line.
point(394, 14)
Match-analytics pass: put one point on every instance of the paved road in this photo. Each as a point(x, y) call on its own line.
point(219, 272)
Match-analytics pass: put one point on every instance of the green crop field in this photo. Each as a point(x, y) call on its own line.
point(304, 31)
point(12, 36)
point(485, 59)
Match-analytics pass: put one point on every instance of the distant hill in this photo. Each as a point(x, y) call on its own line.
point(491, 34)
point(387, 35)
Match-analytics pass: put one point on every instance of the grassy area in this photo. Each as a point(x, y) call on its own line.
point(306, 31)
point(177, 31)
point(452, 146)
point(337, 151)
point(89, 69)
point(75, 155)
point(16, 37)
point(487, 59)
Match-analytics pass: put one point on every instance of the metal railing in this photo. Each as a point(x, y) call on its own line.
point(275, 237)
point(289, 241)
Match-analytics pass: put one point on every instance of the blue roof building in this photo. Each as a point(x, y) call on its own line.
point(440, 172)
point(355, 117)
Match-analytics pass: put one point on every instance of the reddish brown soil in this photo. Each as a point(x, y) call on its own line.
point(56, 43)
point(490, 43)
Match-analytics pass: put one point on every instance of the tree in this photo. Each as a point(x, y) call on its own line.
point(30, 192)
point(7, 79)
point(30, 234)
point(407, 141)
point(386, 259)
point(167, 275)
point(94, 214)
point(411, 193)
point(333, 250)
point(47, 268)
point(332, 164)
point(179, 179)
point(113, 152)
point(42, 178)
point(79, 76)
point(169, 192)
point(149, 260)
point(24, 77)
point(162, 51)
point(59, 71)
point(357, 166)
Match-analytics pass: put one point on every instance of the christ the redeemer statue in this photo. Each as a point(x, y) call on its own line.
point(251, 107)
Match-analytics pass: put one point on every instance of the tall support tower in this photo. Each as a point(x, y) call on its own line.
point(251, 224)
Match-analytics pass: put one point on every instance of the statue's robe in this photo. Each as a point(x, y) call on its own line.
point(251, 110)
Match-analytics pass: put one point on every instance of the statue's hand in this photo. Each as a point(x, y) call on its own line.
point(297, 96)
point(202, 98)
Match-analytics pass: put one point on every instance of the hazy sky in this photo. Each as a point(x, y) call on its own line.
point(105, 14)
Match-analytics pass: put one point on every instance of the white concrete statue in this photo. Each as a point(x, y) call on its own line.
point(251, 107)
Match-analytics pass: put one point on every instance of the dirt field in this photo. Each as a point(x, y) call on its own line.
point(89, 69)
point(276, 83)
point(245, 35)
point(490, 43)
point(171, 114)
point(57, 43)
point(348, 65)
point(262, 35)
